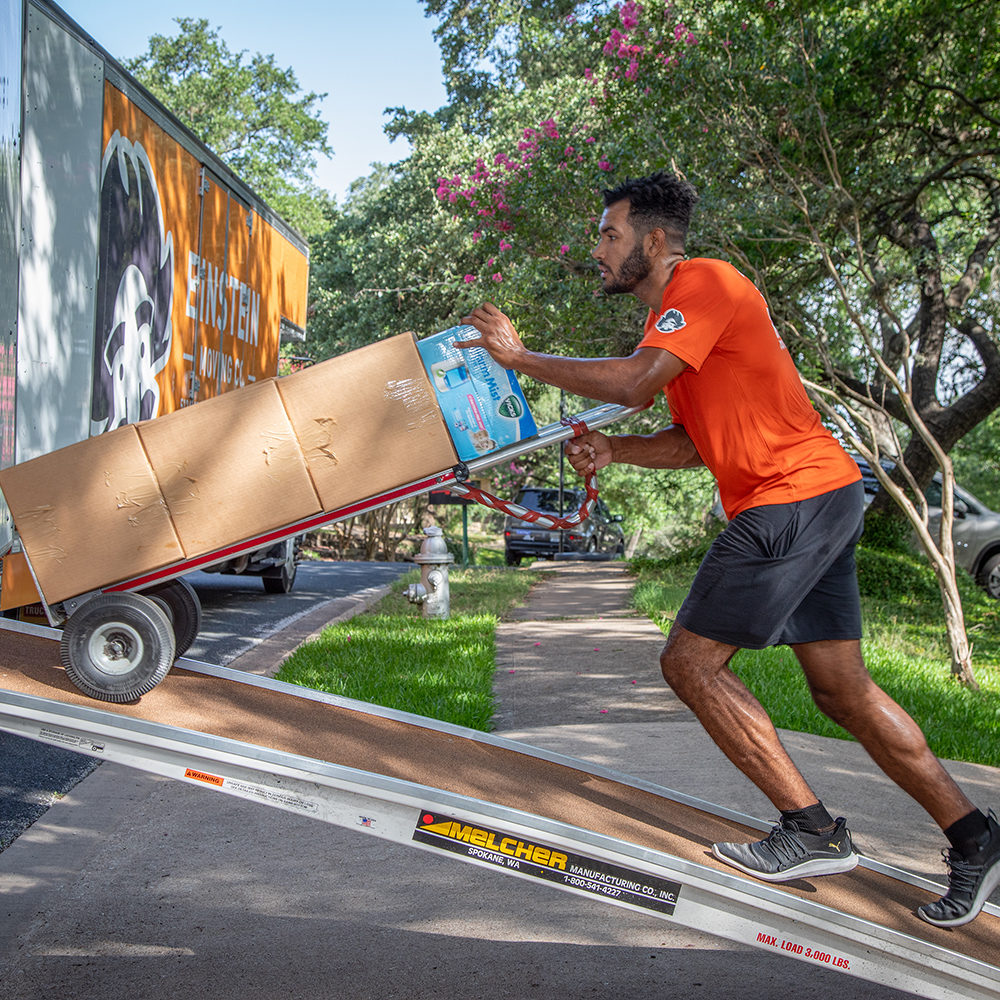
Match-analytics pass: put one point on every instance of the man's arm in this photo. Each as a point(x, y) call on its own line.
point(670, 448)
point(631, 381)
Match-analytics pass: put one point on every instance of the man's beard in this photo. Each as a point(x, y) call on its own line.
point(634, 268)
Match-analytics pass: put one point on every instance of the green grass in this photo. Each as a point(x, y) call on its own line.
point(394, 657)
point(904, 646)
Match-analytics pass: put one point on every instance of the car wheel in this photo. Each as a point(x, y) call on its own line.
point(989, 576)
point(512, 558)
point(117, 647)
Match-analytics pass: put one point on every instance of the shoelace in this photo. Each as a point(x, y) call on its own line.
point(961, 873)
point(784, 844)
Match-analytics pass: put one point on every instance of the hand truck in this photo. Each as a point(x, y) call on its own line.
point(120, 641)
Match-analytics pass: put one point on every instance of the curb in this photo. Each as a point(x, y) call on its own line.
point(266, 658)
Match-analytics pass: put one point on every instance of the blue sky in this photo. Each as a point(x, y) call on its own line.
point(366, 56)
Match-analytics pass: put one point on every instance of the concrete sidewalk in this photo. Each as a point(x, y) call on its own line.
point(134, 886)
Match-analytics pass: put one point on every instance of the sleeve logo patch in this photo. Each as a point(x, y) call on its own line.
point(672, 319)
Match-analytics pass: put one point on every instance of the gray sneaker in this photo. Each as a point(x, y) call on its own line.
point(787, 853)
point(970, 882)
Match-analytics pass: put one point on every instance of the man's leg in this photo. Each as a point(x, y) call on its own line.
point(843, 689)
point(806, 841)
point(697, 669)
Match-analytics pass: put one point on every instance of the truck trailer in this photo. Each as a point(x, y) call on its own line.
point(138, 273)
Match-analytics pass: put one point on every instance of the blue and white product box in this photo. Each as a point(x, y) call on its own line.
point(481, 402)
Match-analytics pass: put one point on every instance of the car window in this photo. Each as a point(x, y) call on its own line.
point(548, 500)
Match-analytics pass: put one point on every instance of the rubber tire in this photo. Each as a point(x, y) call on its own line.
point(179, 600)
point(143, 659)
point(512, 558)
point(281, 579)
point(989, 576)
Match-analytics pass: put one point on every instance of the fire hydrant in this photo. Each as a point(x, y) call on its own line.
point(434, 560)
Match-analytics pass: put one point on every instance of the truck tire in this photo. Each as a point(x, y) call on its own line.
point(117, 647)
point(281, 579)
point(179, 600)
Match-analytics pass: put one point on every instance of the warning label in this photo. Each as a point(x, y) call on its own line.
point(542, 861)
point(272, 796)
point(209, 779)
point(70, 740)
point(262, 793)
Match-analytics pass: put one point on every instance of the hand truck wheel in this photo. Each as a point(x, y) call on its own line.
point(180, 601)
point(117, 647)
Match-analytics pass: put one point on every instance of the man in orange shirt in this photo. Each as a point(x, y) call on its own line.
point(782, 572)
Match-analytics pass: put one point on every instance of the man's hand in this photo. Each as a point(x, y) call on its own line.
point(496, 334)
point(589, 452)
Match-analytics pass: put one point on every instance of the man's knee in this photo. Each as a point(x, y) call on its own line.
point(690, 663)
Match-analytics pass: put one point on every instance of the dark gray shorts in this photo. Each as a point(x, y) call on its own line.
point(781, 574)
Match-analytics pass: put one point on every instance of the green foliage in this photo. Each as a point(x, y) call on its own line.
point(246, 109)
point(976, 460)
point(884, 572)
point(392, 656)
point(904, 648)
point(884, 530)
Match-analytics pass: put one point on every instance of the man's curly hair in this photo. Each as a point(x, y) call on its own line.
point(659, 201)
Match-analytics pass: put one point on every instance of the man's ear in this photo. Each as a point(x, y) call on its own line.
point(656, 243)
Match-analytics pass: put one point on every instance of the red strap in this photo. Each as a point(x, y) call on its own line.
point(579, 427)
point(525, 513)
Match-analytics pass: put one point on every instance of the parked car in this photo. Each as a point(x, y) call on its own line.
point(975, 531)
point(601, 532)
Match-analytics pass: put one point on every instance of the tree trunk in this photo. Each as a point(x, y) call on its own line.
point(958, 639)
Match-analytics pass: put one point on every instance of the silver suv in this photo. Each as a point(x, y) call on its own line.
point(976, 529)
point(600, 533)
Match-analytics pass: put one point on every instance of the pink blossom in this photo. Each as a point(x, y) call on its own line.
point(564, 248)
point(498, 276)
point(469, 278)
point(629, 14)
point(603, 163)
point(504, 245)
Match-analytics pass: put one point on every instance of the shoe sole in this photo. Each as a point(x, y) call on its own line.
point(817, 866)
point(990, 882)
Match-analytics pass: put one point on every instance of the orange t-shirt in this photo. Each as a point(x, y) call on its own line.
point(740, 399)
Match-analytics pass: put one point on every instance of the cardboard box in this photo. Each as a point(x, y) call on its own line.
point(367, 421)
point(481, 402)
point(91, 514)
point(230, 468)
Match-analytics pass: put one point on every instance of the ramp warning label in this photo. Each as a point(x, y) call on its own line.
point(550, 864)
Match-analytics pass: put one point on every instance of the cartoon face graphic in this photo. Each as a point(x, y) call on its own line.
point(134, 291)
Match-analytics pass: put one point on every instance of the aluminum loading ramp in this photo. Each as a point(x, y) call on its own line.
point(498, 804)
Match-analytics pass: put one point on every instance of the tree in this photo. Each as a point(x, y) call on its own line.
point(848, 161)
point(245, 108)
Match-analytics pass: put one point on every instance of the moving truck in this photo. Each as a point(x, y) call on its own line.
point(138, 274)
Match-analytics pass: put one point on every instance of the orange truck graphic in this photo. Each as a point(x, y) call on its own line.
point(138, 274)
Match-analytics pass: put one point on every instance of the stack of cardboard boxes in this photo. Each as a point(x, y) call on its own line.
point(241, 464)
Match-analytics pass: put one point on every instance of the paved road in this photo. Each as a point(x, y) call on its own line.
point(236, 614)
